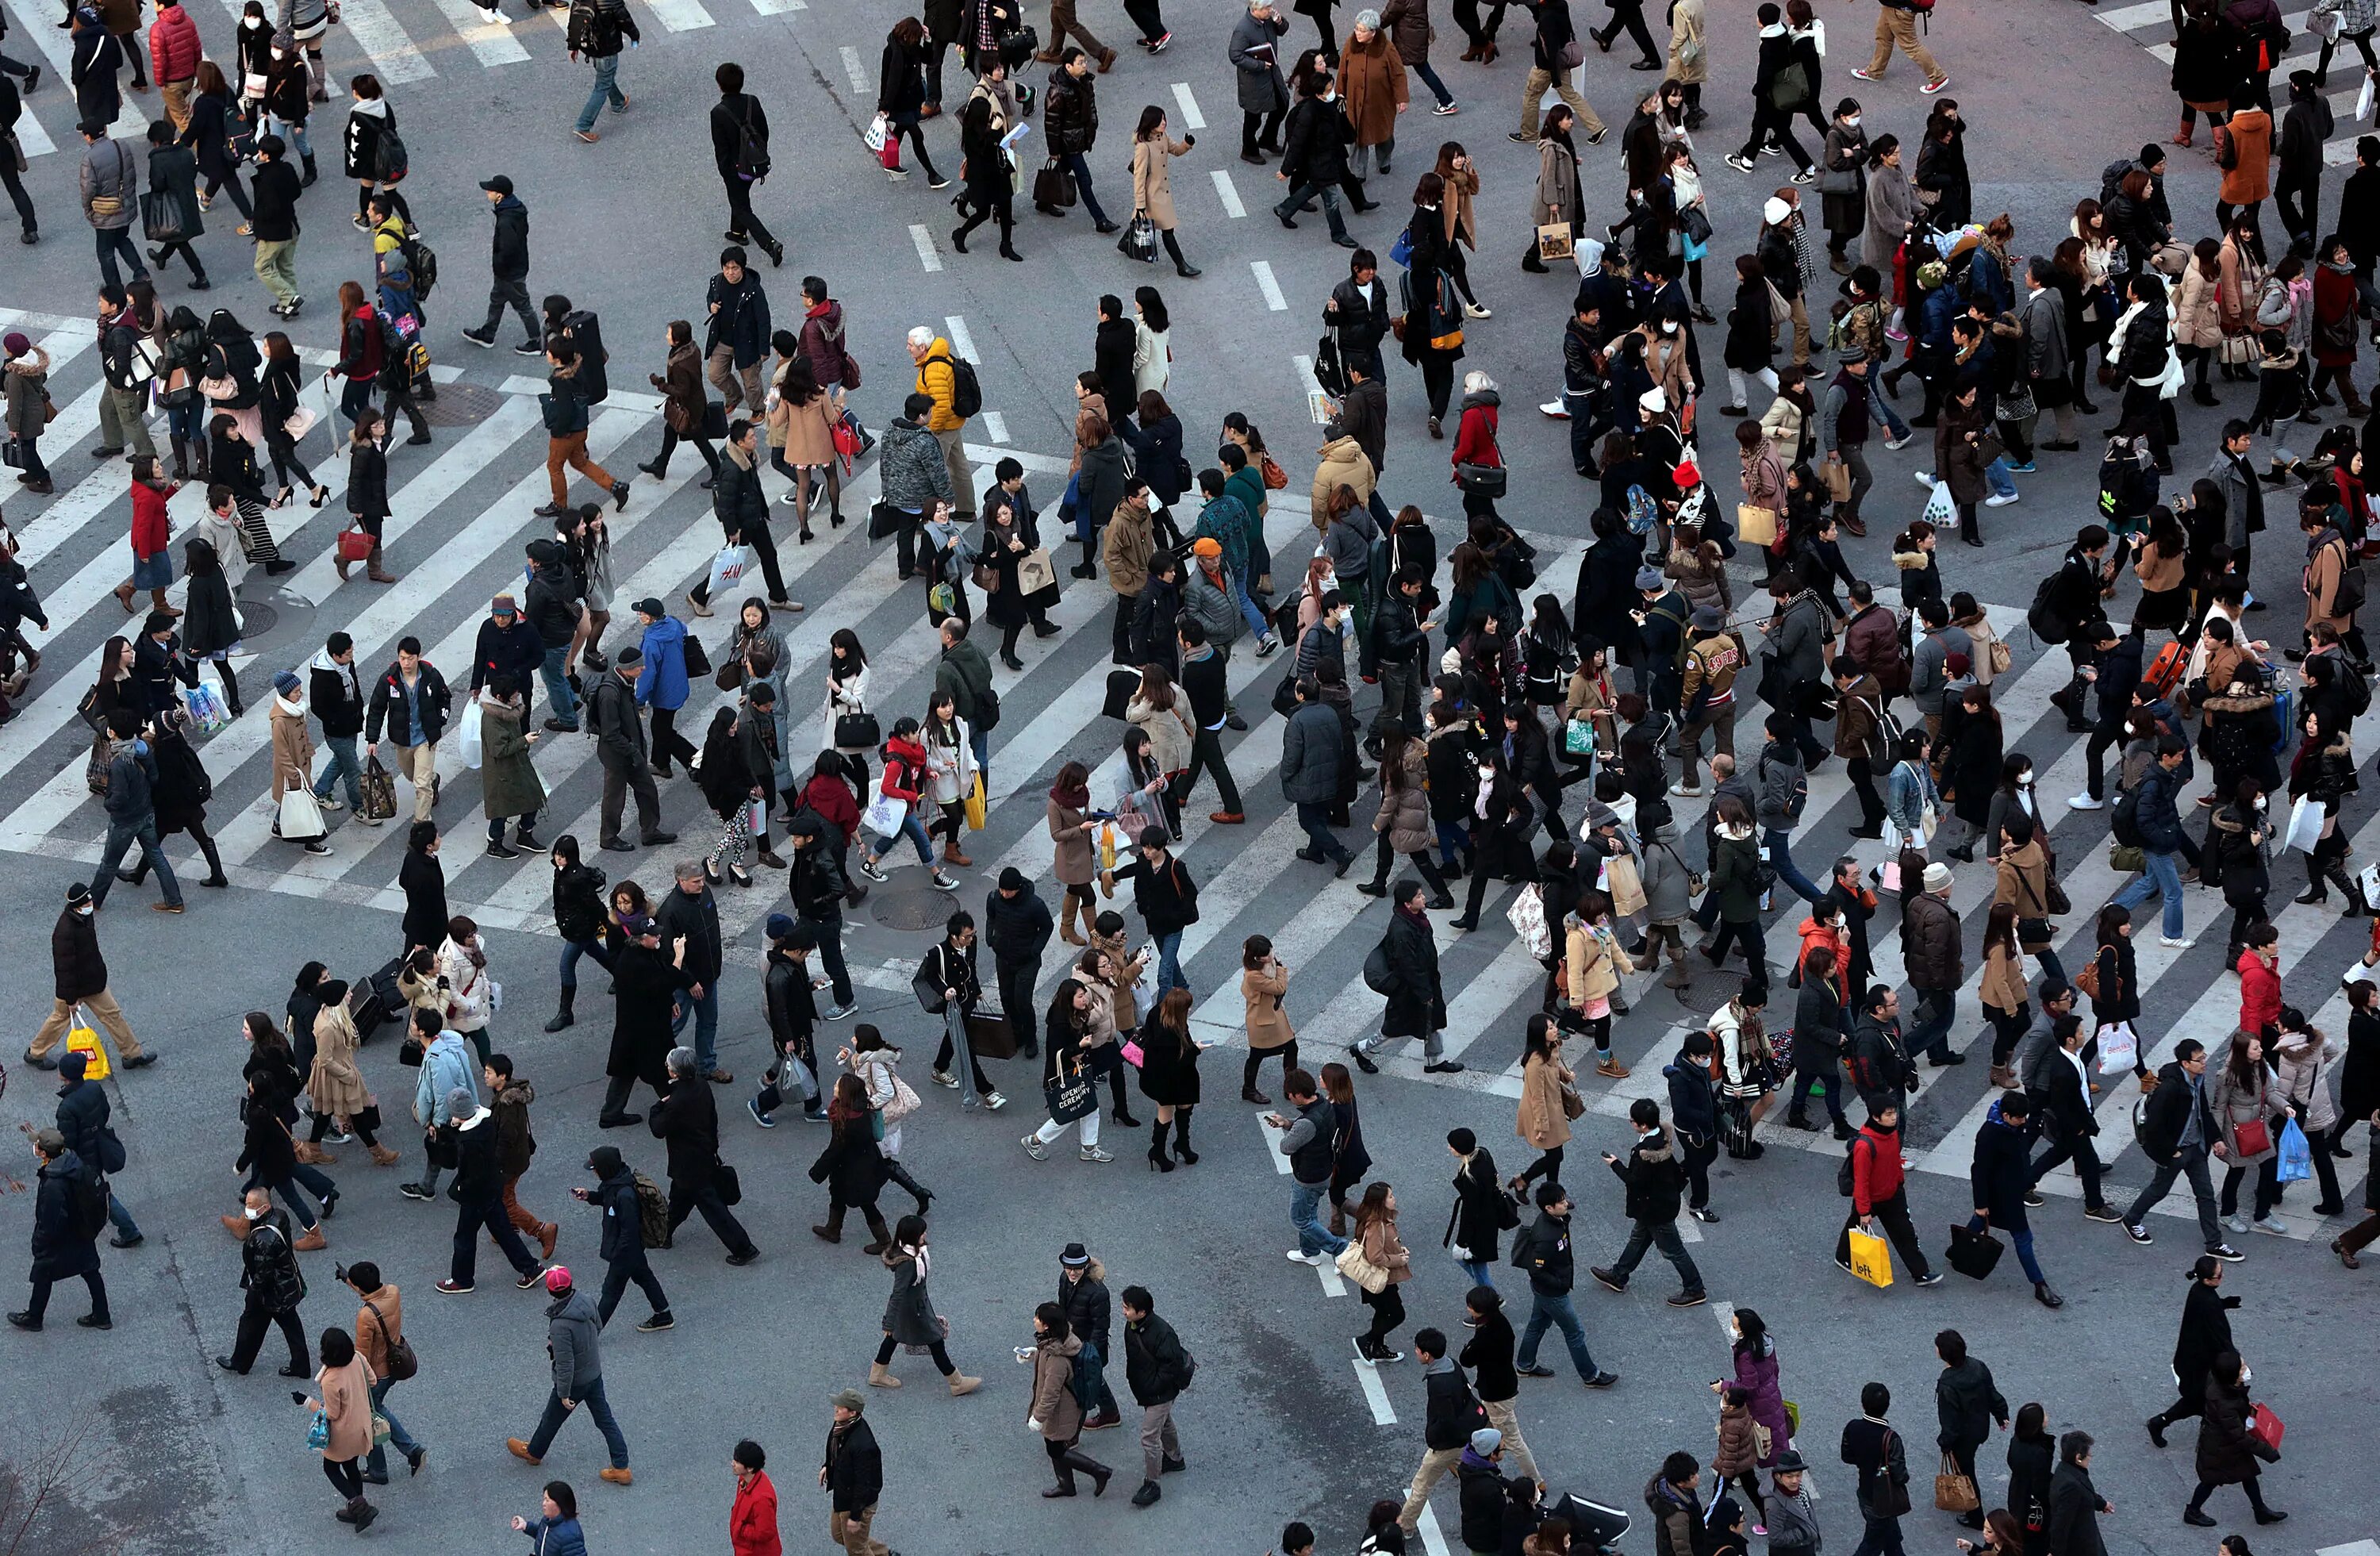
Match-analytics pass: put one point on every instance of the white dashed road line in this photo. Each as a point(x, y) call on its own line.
point(1318, 404)
point(926, 255)
point(854, 70)
point(995, 426)
point(1383, 1414)
point(1269, 287)
point(1228, 193)
point(961, 342)
point(1191, 118)
point(1433, 1539)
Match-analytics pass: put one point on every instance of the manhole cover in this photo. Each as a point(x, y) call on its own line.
point(257, 619)
point(461, 405)
point(927, 909)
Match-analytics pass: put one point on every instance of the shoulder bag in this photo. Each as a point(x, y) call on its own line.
point(402, 1362)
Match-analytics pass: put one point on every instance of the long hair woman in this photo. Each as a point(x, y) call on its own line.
point(1169, 1078)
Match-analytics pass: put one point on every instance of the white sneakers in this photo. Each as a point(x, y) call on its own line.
point(2176, 944)
point(1556, 409)
point(2084, 802)
point(1297, 1257)
point(1999, 499)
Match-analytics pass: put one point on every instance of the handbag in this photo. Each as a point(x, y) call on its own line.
point(300, 422)
point(977, 806)
point(1871, 1258)
point(1482, 481)
point(1954, 1491)
point(1054, 186)
point(1071, 1096)
point(857, 731)
point(318, 1431)
point(378, 791)
point(300, 817)
point(2253, 1138)
point(2265, 1426)
point(403, 1362)
point(162, 217)
point(356, 543)
point(1758, 526)
point(723, 1178)
point(1971, 1254)
point(1573, 1105)
point(1838, 476)
point(1139, 239)
point(884, 815)
point(1693, 225)
point(1554, 241)
point(1362, 1271)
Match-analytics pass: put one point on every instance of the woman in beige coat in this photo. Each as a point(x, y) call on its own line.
point(345, 1381)
point(1689, 62)
point(1071, 858)
point(1542, 1119)
point(2198, 314)
point(1555, 197)
point(1157, 710)
point(336, 1085)
point(293, 752)
point(1375, 1230)
point(1461, 177)
point(1152, 189)
point(1056, 1414)
point(1264, 988)
point(803, 421)
point(2244, 1094)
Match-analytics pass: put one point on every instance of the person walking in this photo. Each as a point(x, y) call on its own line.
point(1896, 27)
point(380, 1341)
point(1874, 1449)
point(2206, 1333)
point(555, 1530)
point(1056, 1412)
point(1153, 151)
point(853, 1475)
point(2229, 1448)
point(1879, 1191)
point(1544, 1250)
point(2001, 1178)
point(345, 1408)
point(1383, 1249)
point(1656, 1186)
point(909, 1317)
point(686, 1117)
point(273, 1288)
point(1157, 1369)
point(595, 29)
point(1554, 53)
point(1070, 116)
point(411, 703)
point(273, 189)
point(79, 978)
point(68, 1209)
point(479, 1194)
point(1309, 1142)
point(111, 184)
point(509, 1099)
point(508, 256)
point(621, 749)
point(1414, 996)
point(573, 1340)
point(622, 1245)
point(82, 1115)
point(1451, 1413)
point(1966, 1403)
point(131, 804)
point(739, 148)
point(2178, 1133)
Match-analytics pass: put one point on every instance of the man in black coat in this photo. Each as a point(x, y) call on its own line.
point(66, 1234)
point(1489, 1355)
point(1083, 1293)
point(1071, 120)
point(479, 1194)
point(507, 644)
point(1154, 613)
point(2071, 1123)
point(739, 147)
point(1415, 997)
point(79, 977)
point(622, 1245)
point(689, 915)
point(688, 1118)
point(82, 1123)
point(269, 1275)
point(1112, 345)
point(853, 1473)
point(1656, 1182)
point(2176, 1134)
point(2075, 1503)
point(644, 984)
point(1357, 311)
point(817, 884)
point(336, 694)
point(1157, 1370)
point(1966, 1403)
point(2000, 1178)
point(508, 265)
point(1451, 1413)
point(1017, 927)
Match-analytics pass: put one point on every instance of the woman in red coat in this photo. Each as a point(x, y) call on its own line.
point(2334, 324)
point(1474, 445)
point(2260, 980)
point(152, 532)
point(752, 1525)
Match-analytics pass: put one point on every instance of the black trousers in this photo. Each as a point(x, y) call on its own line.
point(1016, 981)
point(668, 744)
point(1630, 15)
point(511, 294)
point(617, 1273)
point(671, 438)
point(741, 220)
point(1268, 137)
point(249, 1339)
point(41, 1299)
point(685, 1200)
point(1767, 121)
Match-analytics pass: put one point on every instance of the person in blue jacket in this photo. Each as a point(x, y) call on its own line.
point(662, 687)
point(556, 1531)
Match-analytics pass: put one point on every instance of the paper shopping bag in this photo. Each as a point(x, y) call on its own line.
point(81, 1040)
point(1871, 1260)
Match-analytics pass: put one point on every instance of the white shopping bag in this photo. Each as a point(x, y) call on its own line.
point(884, 815)
point(873, 136)
point(1940, 511)
point(2363, 101)
point(727, 570)
point(2305, 824)
point(469, 737)
point(2119, 1047)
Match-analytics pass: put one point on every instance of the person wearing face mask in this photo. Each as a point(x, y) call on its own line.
point(81, 980)
point(273, 1288)
point(1842, 184)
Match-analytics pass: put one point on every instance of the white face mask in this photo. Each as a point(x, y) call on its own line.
point(252, 1212)
point(1851, 122)
point(1669, 326)
point(2026, 778)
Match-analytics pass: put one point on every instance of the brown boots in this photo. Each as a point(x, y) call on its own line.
point(374, 571)
point(1068, 907)
point(382, 1157)
point(314, 1155)
point(125, 593)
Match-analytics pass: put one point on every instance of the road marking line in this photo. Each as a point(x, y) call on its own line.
point(58, 48)
point(961, 341)
point(1725, 1313)
point(1383, 1414)
point(774, 8)
point(854, 70)
point(1191, 118)
point(1272, 1143)
point(2123, 18)
point(33, 138)
point(1331, 1284)
point(1318, 404)
point(680, 16)
point(995, 426)
point(1269, 287)
point(491, 42)
point(381, 36)
point(1228, 193)
point(1689, 1229)
point(1433, 1539)
point(925, 242)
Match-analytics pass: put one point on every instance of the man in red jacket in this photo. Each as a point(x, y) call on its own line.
point(752, 1524)
point(174, 53)
point(1879, 1194)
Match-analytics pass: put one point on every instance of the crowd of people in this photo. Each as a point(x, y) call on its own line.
point(1556, 745)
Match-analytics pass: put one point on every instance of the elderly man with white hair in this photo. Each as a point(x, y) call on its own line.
point(688, 1118)
point(938, 379)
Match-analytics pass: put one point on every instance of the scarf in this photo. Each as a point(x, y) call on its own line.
point(925, 1265)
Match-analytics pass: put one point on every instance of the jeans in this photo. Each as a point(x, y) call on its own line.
point(1479, 1272)
point(341, 749)
point(617, 1273)
point(556, 1412)
point(121, 835)
point(398, 1438)
point(2160, 876)
point(1080, 166)
point(1303, 196)
point(704, 1009)
point(915, 831)
point(1168, 963)
point(2003, 485)
point(292, 132)
point(122, 1219)
point(1313, 1237)
point(1429, 77)
point(1546, 1310)
point(1316, 820)
point(606, 87)
point(2023, 1241)
point(1930, 1034)
point(574, 950)
point(557, 687)
point(1647, 1233)
point(1780, 857)
point(1804, 1079)
point(113, 241)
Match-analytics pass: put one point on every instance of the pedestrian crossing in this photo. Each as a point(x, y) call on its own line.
point(2150, 24)
point(462, 510)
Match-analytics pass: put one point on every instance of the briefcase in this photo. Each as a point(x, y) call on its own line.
point(1974, 1254)
point(990, 1035)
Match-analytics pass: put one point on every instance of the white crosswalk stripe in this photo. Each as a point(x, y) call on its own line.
point(461, 513)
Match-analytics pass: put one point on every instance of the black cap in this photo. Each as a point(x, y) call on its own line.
point(497, 185)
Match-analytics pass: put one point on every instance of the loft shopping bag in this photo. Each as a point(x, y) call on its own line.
point(1871, 1258)
point(83, 1040)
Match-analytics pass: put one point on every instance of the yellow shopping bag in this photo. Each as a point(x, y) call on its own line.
point(1107, 845)
point(81, 1040)
point(1871, 1258)
point(975, 805)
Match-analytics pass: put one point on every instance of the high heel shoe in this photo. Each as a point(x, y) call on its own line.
point(739, 875)
point(958, 239)
point(710, 871)
point(321, 496)
point(283, 500)
point(804, 537)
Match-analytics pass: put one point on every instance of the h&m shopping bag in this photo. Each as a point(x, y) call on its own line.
point(1871, 1258)
point(727, 569)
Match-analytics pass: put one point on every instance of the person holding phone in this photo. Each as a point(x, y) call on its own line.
point(555, 1528)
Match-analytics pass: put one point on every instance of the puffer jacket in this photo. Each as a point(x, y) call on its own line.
point(912, 470)
point(1404, 810)
point(1344, 463)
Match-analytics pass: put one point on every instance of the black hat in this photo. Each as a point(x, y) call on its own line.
point(1073, 1255)
point(497, 185)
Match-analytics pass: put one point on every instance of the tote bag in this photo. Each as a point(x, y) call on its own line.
point(301, 816)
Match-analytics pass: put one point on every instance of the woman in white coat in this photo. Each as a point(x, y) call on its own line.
point(950, 773)
point(877, 1064)
point(1152, 353)
point(846, 692)
point(470, 992)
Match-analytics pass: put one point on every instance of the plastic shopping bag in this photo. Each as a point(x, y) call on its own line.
point(82, 1040)
point(977, 806)
point(2119, 1047)
point(1940, 511)
point(2296, 1163)
point(1871, 1258)
point(2305, 824)
point(873, 136)
point(727, 570)
point(469, 739)
point(2363, 102)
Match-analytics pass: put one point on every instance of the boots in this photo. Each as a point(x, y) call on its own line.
point(562, 1015)
point(125, 592)
point(951, 854)
point(157, 604)
point(382, 1157)
point(1181, 1137)
point(880, 1375)
point(1066, 932)
point(314, 1155)
point(1677, 977)
point(2181, 135)
point(900, 1174)
point(1157, 1160)
point(2003, 1077)
point(359, 1512)
point(374, 571)
point(181, 459)
point(961, 1384)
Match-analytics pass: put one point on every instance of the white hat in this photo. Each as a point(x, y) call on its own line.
point(1776, 211)
point(1653, 400)
point(1937, 876)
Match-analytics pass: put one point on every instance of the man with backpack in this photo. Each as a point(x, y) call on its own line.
point(82, 1120)
point(949, 381)
point(596, 28)
point(2065, 600)
point(633, 1221)
point(69, 1206)
point(2148, 818)
point(739, 146)
point(274, 1286)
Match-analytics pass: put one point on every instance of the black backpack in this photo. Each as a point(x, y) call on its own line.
point(751, 145)
point(422, 261)
point(2125, 825)
point(2042, 615)
point(966, 393)
point(389, 160)
point(986, 709)
point(1845, 1183)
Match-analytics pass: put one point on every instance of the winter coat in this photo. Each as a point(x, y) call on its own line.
point(1261, 87)
point(1758, 1374)
point(336, 1084)
point(1416, 1001)
point(1541, 1120)
point(2234, 1104)
point(2228, 1451)
point(2302, 1061)
point(1309, 760)
point(62, 1249)
point(1152, 187)
point(1654, 1178)
point(1404, 810)
point(1372, 83)
point(346, 1404)
point(1054, 1405)
point(509, 781)
point(1930, 951)
point(1892, 206)
point(2251, 131)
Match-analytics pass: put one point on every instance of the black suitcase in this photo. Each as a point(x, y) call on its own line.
point(1973, 1253)
point(1122, 685)
point(373, 1001)
point(586, 332)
